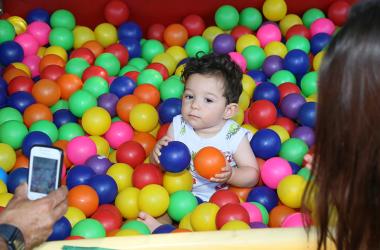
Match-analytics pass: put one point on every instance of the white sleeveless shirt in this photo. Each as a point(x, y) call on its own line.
point(226, 140)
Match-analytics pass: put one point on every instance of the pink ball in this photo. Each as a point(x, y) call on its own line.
point(239, 59)
point(40, 31)
point(118, 133)
point(28, 43)
point(322, 25)
point(33, 62)
point(80, 149)
point(274, 170)
point(268, 33)
point(253, 212)
point(296, 220)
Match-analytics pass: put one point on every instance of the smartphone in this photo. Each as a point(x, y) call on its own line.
point(45, 166)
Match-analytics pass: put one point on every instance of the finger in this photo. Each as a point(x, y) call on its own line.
point(21, 191)
point(59, 210)
point(57, 196)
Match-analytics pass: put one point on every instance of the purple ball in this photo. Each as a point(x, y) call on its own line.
point(99, 164)
point(257, 224)
point(272, 64)
point(291, 104)
point(108, 101)
point(306, 134)
point(223, 44)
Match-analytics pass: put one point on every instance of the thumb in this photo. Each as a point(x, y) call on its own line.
point(21, 191)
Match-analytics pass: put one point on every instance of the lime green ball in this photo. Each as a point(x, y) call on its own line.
point(76, 66)
point(309, 84)
point(46, 127)
point(251, 18)
point(197, 44)
point(172, 87)
point(13, 132)
point(150, 76)
point(151, 48)
point(61, 104)
point(7, 31)
point(226, 17)
point(109, 62)
point(254, 56)
point(89, 229)
point(61, 37)
point(294, 150)
point(63, 19)
point(305, 173)
point(128, 68)
point(311, 15)
point(181, 203)
point(69, 131)
point(298, 42)
point(9, 114)
point(96, 85)
point(81, 101)
point(139, 63)
point(282, 76)
point(136, 225)
point(115, 119)
point(263, 210)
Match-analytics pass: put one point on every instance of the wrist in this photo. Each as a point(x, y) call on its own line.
point(12, 237)
point(230, 179)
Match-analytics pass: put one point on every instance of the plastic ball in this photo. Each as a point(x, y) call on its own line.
point(109, 216)
point(61, 229)
point(52, 72)
point(253, 211)
point(20, 83)
point(290, 190)
point(116, 12)
point(171, 88)
point(282, 76)
point(251, 18)
point(231, 212)
point(168, 109)
point(311, 15)
point(278, 214)
point(254, 57)
point(109, 62)
point(118, 133)
point(154, 200)
point(268, 33)
point(235, 225)
point(306, 134)
point(69, 131)
point(82, 35)
point(174, 182)
point(297, 62)
point(74, 215)
point(125, 105)
point(194, 25)
point(81, 101)
point(96, 85)
point(156, 31)
point(265, 196)
point(181, 203)
point(136, 226)
point(265, 143)
point(36, 112)
point(80, 149)
point(127, 202)
point(294, 150)
point(322, 25)
point(319, 42)
point(62, 18)
point(96, 121)
point(288, 21)
point(105, 188)
point(28, 43)
point(143, 117)
point(62, 117)
point(151, 48)
point(175, 34)
point(46, 127)
point(20, 100)
point(133, 46)
point(307, 114)
point(150, 76)
point(79, 175)
point(209, 161)
point(338, 12)
point(122, 174)
point(291, 104)
point(203, 217)
point(105, 34)
point(175, 157)
point(163, 229)
point(119, 51)
point(129, 29)
point(274, 170)
point(131, 153)
point(239, 59)
point(88, 229)
point(239, 31)
point(145, 174)
point(99, 164)
point(211, 32)
point(274, 10)
point(223, 197)
point(13, 133)
point(267, 91)
point(34, 138)
point(46, 92)
point(83, 197)
point(226, 17)
point(62, 37)
point(122, 86)
point(108, 102)
point(196, 44)
point(15, 178)
point(262, 113)
point(10, 51)
point(296, 220)
point(7, 31)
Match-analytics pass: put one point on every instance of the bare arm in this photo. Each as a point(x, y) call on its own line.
point(156, 152)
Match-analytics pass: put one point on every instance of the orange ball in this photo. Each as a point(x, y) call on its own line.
point(46, 91)
point(278, 214)
point(36, 112)
point(68, 84)
point(146, 140)
point(181, 230)
point(125, 105)
point(21, 162)
point(241, 192)
point(147, 93)
point(95, 47)
point(175, 34)
point(51, 59)
point(85, 198)
point(12, 72)
point(209, 161)
point(62, 144)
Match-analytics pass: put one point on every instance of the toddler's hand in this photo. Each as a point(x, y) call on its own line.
point(157, 148)
point(223, 176)
point(308, 160)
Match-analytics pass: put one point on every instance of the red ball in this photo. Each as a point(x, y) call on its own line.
point(145, 174)
point(94, 70)
point(116, 12)
point(194, 25)
point(133, 75)
point(108, 218)
point(160, 68)
point(286, 123)
point(223, 197)
point(156, 31)
point(52, 72)
point(20, 83)
point(83, 53)
point(231, 212)
point(240, 30)
point(262, 114)
point(119, 51)
point(288, 88)
point(298, 29)
point(131, 153)
point(162, 130)
point(74, 237)
point(338, 12)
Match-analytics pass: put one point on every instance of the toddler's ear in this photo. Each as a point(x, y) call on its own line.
point(230, 110)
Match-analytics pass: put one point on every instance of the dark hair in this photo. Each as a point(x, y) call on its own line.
point(346, 168)
point(220, 66)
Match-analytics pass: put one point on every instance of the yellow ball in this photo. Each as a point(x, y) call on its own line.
point(3, 187)
point(23, 67)
point(318, 59)
point(288, 21)
point(102, 145)
point(167, 60)
point(249, 84)
point(312, 98)
point(235, 225)
point(244, 100)
point(7, 157)
point(239, 117)
point(274, 10)
point(179, 70)
point(155, 130)
point(105, 34)
point(19, 24)
point(56, 50)
point(5, 198)
point(280, 131)
point(74, 215)
point(290, 190)
point(96, 121)
point(127, 202)
point(185, 222)
point(174, 182)
point(246, 40)
point(122, 175)
point(250, 128)
point(177, 52)
point(275, 48)
point(203, 217)
point(127, 232)
point(154, 200)
point(112, 156)
point(143, 117)
point(211, 32)
point(82, 34)
point(41, 52)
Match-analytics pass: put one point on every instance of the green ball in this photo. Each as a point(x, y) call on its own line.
point(309, 84)
point(139, 63)
point(305, 173)
point(128, 68)
point(116, 119)
point(172, 87)
point(61, 37)
point(282, 76)
point(63, 19)
point(311, 15)
point(136, 225)
point(251, 18)
point(150, 76)
point(10, 114)
point(294, 150)
point(151, 48)
point(263, 210)
point(226, 17)
point(298, 42)
point(89, 229)
point(80, 101)
point(13, 132)
point(76, 66)
point(254, 56)
point(46, 127)
point(96, 85)
point(61, 104)
point(181, 203)
point(7, 31)
point(197, 44)
point(109, 62)
point(69, 131)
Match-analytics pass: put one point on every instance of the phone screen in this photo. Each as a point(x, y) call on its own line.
point(43, 175)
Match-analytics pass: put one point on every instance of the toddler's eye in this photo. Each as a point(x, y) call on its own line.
point(208, 100)
point(188, 97)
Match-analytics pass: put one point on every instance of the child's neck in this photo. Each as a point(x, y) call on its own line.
point(211, 131)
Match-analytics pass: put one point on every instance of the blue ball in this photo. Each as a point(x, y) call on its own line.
point(175, 157)
point(10, 52)
point(34, 138)
point(129, 30)
point(163, 229)
point(267, 91)
point(79, 175)
point(168, 109)
point(265, 143)
point(16, 177)
point(133, 46)
point(38, 14)
point(307, 114)
point(265, 196)
point(122, 86)
point(297, 62)
point(106, 188)
point(61, 229)
point(63, 116)
point(257, 75)
point(3, 99)
point(318, 42)
point(3, 175)
point(20, 100)
point(295, 167)
point(3, 84)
